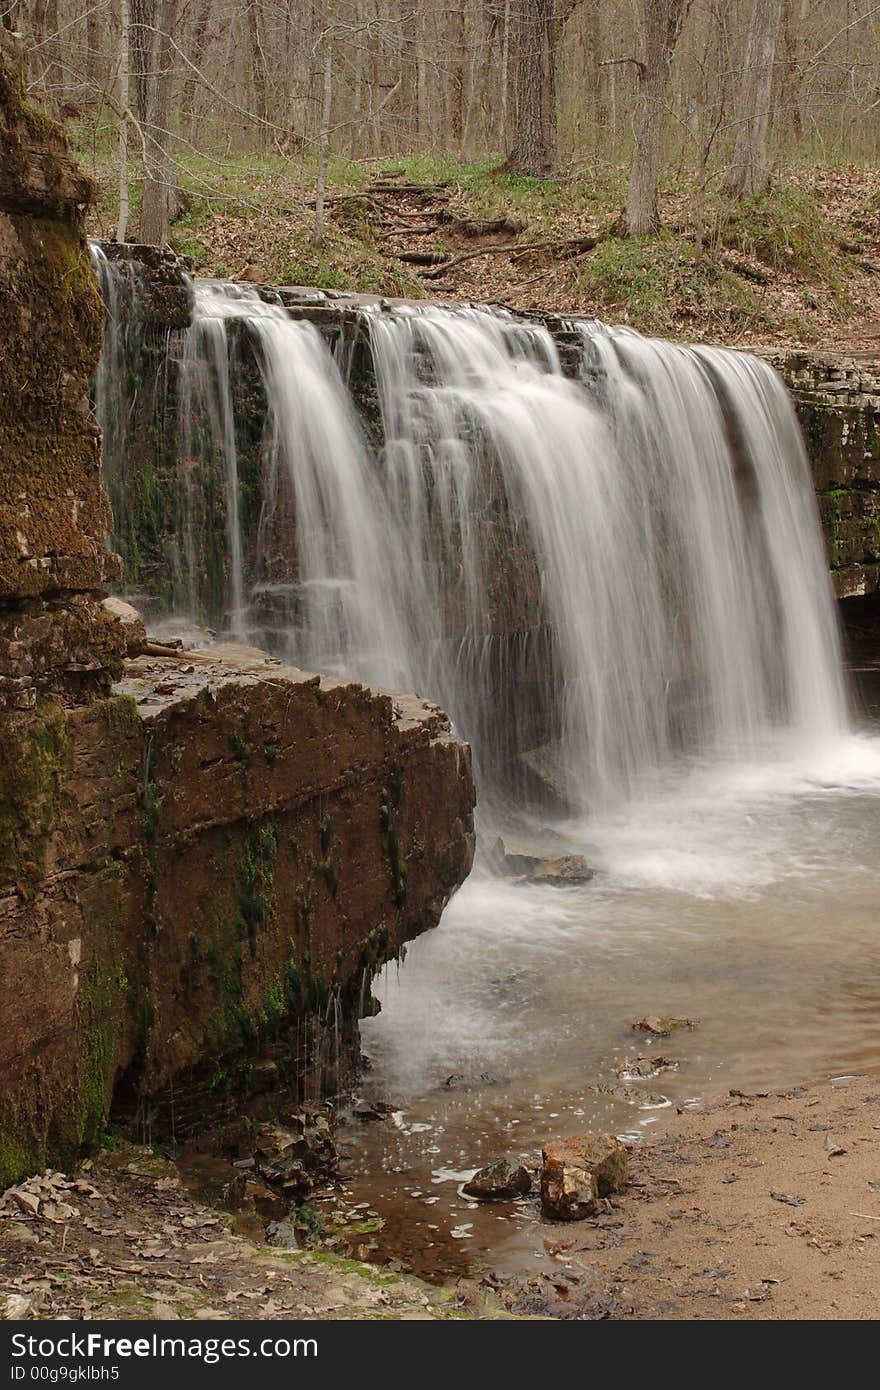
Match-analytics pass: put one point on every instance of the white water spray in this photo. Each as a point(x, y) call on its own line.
point(663, 525)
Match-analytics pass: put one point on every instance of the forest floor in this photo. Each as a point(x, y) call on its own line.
point(752, 1207)
point(799, 266)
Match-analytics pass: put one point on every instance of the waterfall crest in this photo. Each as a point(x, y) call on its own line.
point(598, 577)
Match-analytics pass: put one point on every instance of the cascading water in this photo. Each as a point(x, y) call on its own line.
point(645, 536)
point(120, 290)
point(337, 619)
point(615, 583)
point(671, 514)
point(207, 428)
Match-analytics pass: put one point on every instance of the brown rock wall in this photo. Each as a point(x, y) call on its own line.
point(202, 863)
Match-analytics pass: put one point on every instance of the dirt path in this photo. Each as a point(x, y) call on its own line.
point(753, 1207)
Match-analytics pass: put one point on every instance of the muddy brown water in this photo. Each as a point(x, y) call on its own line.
point(744, 897)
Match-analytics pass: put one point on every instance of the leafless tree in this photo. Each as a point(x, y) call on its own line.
point(533, 151)
point(160, 181)
point(749, 173)
point(661, 25)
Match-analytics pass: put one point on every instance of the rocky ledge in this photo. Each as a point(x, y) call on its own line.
point(202, 873)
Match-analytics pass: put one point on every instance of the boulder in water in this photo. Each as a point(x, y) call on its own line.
point(568, 869)
point(499, 1182)
point(577, 1172)
point(523, 853)
point(642, 1068)
point(662, 1027)
point(543, 856)
point(462, 1081)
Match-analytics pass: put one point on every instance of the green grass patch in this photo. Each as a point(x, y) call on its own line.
point(653, 283)
point(787, 230)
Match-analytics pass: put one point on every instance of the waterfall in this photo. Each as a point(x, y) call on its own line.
point(599, 578)
point(207, 428)
point(120, 343)
point(668, 502)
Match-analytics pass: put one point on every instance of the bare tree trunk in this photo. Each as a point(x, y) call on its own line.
point(593, 44)
point(505, 72)
point(95, 58)
point(197, 49)
point(423, 94)
point(143, 20)
point(160, 182)
point(324, 144)
point(51, 70)
point(261, 90)
point(122, 221)
point(533, 153)
point(791, 81)
point(749, 174)
point(661, 26)
point(456, 74)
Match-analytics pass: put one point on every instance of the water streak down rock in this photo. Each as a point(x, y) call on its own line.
point(207, 863)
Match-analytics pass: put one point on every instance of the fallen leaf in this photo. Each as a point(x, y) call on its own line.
point(17, 1306)
point(757, 1294)
point(26, 1200)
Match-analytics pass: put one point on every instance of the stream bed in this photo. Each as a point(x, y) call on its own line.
point(743, 898)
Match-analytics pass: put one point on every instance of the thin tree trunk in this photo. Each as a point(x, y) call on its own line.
point(790, 105)
point(122, 222)
point(95, 58)
point(593, 46)
point(324, 144)
point(423, 91)
point(533, 153)
point(197, 50)
point(261, 91)
point(505, 74)
point(661, 26)
point(143, 20)
point(456, 75)
point(749, 174)
point(160, 182)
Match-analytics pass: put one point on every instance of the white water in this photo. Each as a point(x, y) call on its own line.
point(205, 404)
point(113, 399)
point(698, 709)
point(665, 500)
point(672, 515)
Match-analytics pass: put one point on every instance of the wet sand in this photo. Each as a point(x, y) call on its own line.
point(750, 1207)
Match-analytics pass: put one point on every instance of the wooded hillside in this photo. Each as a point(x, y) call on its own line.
point(734, 141)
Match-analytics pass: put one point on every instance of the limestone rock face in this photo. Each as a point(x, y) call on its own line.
point(54, 515)
point(576, 1172)
point(165, 294)
point(194, 874)
point(837, 399)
